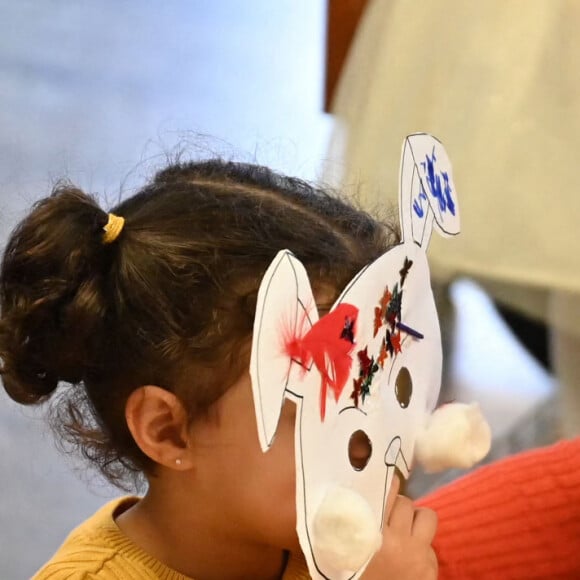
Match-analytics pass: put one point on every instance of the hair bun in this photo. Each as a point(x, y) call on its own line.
point(51, 294)
point(28, 388)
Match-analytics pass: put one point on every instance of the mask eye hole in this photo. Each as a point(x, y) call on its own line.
point(404, 387)
point(360, 450)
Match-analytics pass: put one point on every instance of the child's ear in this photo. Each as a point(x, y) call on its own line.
point(158, 423)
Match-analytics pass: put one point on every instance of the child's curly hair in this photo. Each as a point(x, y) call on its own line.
point(171, 302)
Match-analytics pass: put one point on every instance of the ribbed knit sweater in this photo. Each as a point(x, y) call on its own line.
point(99, 550)
point(516, 518)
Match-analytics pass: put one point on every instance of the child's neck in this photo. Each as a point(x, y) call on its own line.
point(194, 542)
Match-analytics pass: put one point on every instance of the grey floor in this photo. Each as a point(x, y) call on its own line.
point(100, 92)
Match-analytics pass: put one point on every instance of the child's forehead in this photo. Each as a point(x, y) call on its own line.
point(325, 298)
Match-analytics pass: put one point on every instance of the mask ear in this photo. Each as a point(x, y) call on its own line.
point(427, 192)
point(285, 312)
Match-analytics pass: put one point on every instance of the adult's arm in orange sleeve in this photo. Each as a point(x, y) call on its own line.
point(515, 518)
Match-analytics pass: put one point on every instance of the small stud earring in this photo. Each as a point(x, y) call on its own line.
point(178, 461)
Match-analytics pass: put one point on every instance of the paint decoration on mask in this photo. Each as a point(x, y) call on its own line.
point(372, 365)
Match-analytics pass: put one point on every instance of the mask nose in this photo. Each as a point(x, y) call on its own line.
point(394, 457)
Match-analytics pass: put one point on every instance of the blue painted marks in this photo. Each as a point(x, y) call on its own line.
point(418, 203)
point(438, 185)
point(440, 190)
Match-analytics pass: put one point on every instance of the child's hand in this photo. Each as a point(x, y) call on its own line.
point(406, 552)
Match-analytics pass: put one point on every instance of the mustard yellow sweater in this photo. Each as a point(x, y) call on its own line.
point(99, 550)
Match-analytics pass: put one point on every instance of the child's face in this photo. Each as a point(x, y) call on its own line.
point(255, 490)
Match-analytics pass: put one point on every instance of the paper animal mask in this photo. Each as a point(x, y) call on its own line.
point(368, 370)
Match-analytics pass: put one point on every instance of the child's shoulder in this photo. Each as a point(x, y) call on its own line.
point(98, 549)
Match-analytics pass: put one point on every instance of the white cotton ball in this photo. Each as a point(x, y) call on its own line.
point(345, 530)
point(456, 435)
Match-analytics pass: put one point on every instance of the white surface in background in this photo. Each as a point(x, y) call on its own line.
point(489, 365)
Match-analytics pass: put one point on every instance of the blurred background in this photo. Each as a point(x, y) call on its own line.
point(100, 93)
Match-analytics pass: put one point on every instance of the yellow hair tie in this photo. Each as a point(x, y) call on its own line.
point(113, 228)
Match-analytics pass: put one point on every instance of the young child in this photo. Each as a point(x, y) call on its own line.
point(140, 322)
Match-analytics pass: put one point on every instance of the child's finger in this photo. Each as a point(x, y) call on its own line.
point(424, 524)
point(392, 497)
point(401, 516)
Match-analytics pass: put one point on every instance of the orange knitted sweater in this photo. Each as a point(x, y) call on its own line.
point(515, 518)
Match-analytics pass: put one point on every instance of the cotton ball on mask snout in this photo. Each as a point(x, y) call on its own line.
point(346, 533)
point(456, 435)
